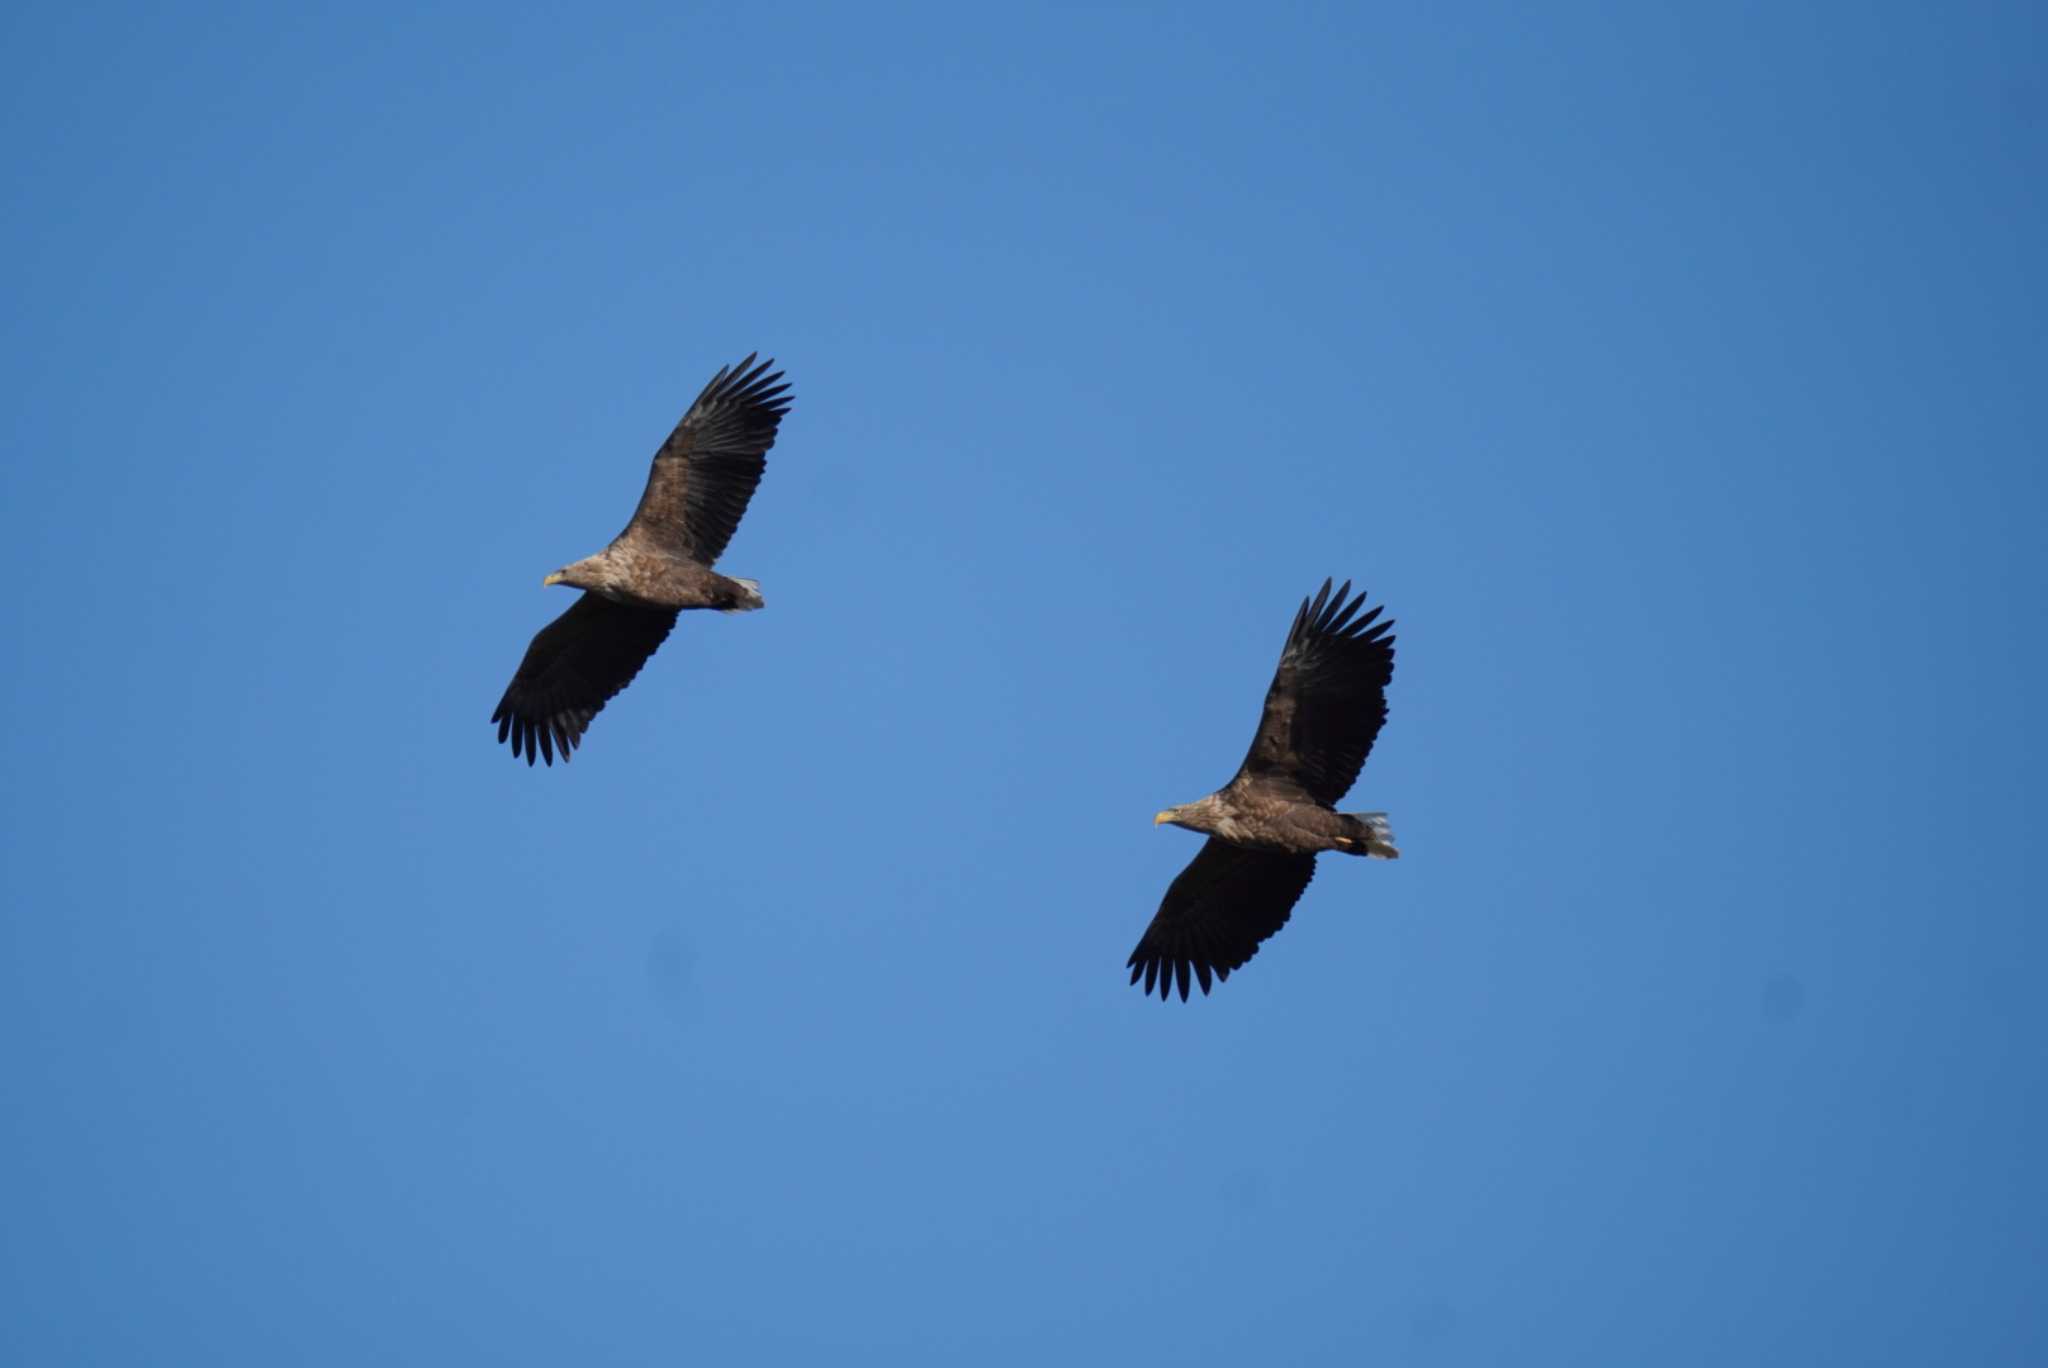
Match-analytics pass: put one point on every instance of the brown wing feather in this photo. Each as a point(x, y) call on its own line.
point(1215, 914)
point(1328, 699)
point(705, 473)
point(575, 665)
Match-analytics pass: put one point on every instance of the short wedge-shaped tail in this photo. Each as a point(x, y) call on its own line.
point(1375, 837)
point(748, 599)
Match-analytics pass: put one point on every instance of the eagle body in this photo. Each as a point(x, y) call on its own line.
point(697, 490)
point(1324, 709)
point(650, 577)
point(1287, 823)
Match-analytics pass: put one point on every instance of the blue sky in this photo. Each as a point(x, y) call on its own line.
point(1674, 378)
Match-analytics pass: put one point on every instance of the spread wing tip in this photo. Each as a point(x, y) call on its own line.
point(1333, 615)
point(752, 383)
point(541, 738)
point(1164, 973)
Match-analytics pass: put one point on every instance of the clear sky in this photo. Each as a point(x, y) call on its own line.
point(1675, 378)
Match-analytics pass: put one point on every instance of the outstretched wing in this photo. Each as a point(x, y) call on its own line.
point(706, 471)
point(1328, 699)
point(572, 669)
point(1215, 914)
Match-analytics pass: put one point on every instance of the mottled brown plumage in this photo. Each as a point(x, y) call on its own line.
point(659, 566)
point(1323, 711)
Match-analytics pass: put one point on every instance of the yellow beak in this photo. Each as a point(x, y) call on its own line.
point(1162, 818)
point(555, 578)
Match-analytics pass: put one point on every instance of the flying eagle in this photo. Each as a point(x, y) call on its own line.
point(1326, 705)
point(696, 494)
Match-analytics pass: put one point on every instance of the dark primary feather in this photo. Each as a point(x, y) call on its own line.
point(574, 666)
point(1328, 699)
point(1216, 912)
point(707, 470)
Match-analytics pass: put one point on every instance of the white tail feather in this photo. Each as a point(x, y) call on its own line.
point(1379, 840)
point(750, 597)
